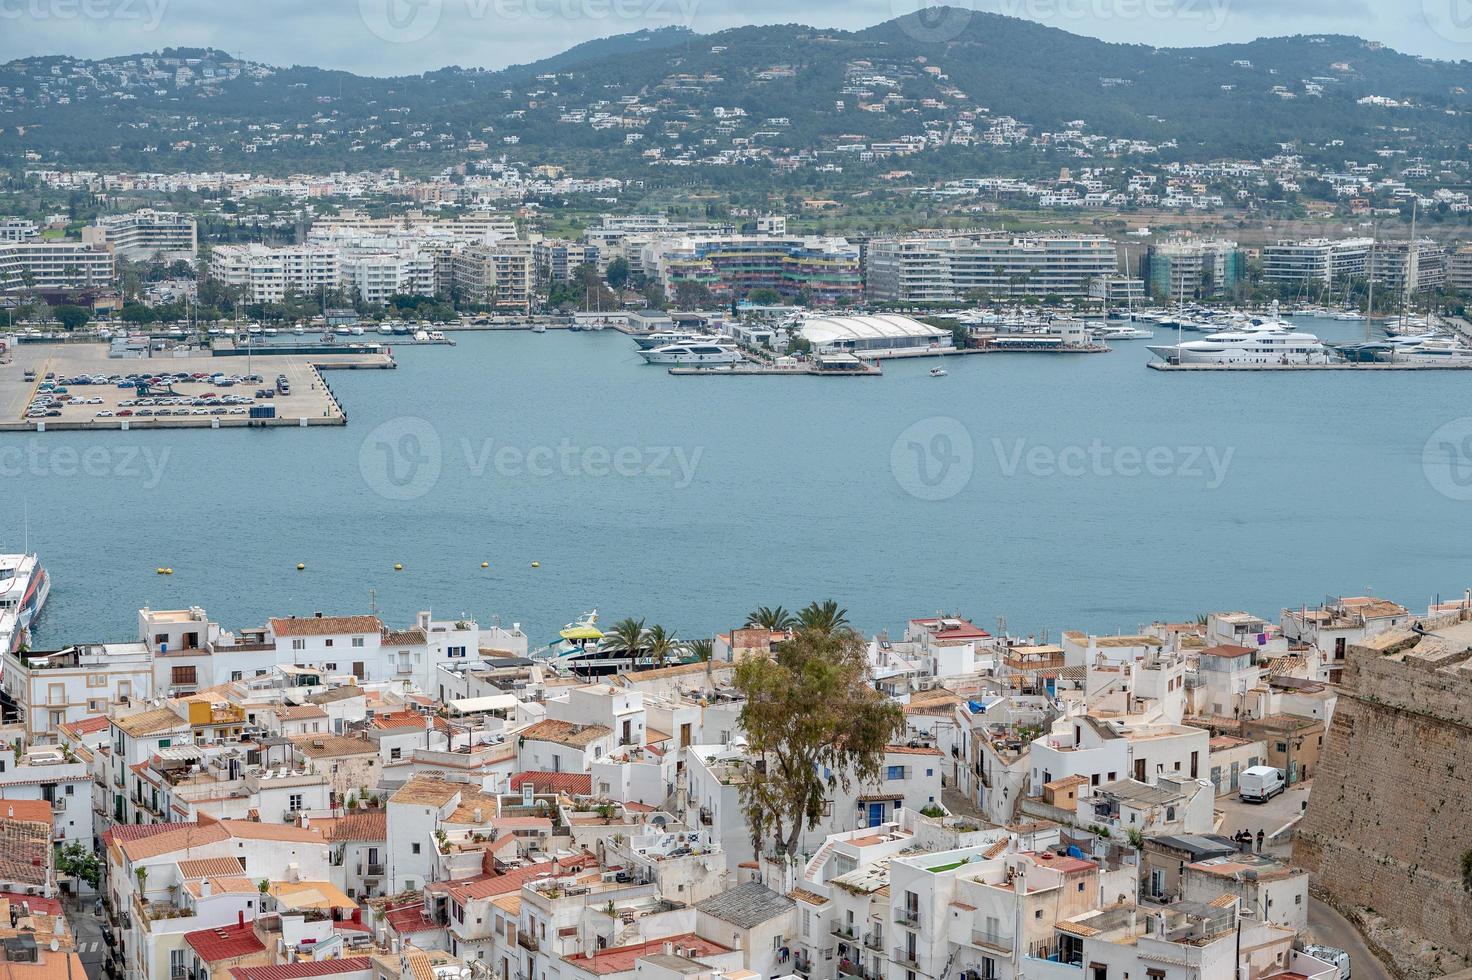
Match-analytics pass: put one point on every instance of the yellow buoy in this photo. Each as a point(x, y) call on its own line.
point(168, 571)
point(161, 571)
point(536, 564)
point(398, 567)
point(485, 564)
point(300, 566)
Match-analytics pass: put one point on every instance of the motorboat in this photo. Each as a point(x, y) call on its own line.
point(938, 372)
point(693, 354)
point(1122, 332)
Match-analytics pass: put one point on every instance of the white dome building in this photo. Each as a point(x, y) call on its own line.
point(875, 336)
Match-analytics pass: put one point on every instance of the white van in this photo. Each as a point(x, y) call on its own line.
point(1331, 955)
point(1259, 784)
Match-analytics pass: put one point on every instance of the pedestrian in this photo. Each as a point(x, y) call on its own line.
point(1259, 840)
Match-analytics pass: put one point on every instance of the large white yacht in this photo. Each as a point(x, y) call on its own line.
point(663, 338)
point(693, 353)
point(1267, 344)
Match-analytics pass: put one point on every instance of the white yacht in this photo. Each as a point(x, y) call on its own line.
point(663, 338)
point(1122, 331)
point(1267, 344)
point(693, 353)
point(24, 586)
point(1428, 349)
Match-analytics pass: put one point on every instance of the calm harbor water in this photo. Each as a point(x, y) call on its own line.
point(1060, 491)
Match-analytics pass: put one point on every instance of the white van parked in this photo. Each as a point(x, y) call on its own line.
point(1331, 955)
point(1259, 784)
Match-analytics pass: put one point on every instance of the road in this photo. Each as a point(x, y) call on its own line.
point(1267, 817)
point(1332, 929)
point(87, 930)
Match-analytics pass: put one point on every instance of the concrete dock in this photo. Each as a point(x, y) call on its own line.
point(1336, 366)
point(311, 401)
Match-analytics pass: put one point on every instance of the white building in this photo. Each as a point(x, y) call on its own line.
point(145, 235)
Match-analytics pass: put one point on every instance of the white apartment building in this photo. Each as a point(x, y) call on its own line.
point(922, 269)
point(1321, 260)
point(18, 230)
point(266, 274)
point(500, 274)
point(50, 689)
point(377, 277)
point(146, 234)
point(53, 266)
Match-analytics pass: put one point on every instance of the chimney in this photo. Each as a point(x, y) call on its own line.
point(10, 812)
point(240, 918)
point(204, 888)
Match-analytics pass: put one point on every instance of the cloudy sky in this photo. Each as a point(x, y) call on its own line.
point(385, 37)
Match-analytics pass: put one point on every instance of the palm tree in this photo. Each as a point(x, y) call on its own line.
point(629, 635)
point(826, 618)
point(661, 644)
point(700, 651)
point(775, 618)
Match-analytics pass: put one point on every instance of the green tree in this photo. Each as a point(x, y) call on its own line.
point(662, 644)
point(700, 651)
point(629, 634)
point(78, 861)
point(812, 721)
point(618, 272)
point(823, 617)
point(773, 618)
point(70, 317)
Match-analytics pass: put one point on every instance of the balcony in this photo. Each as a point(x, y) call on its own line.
point(371, 871)
point(874, 941)
point(526, 940)
point(907, 917)
point(992, 939)
point(843, 930)
point(908, 958)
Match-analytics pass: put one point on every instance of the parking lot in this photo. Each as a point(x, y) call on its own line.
point(76, 386)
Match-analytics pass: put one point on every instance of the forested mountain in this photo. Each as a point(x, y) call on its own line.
point(954, 80)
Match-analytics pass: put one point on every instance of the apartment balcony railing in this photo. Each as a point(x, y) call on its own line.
point(907, 917)
point(371, 870)
point(527, 940)
point(874, 941)
point(907, 957)
point(992, 938)
point(843, 930)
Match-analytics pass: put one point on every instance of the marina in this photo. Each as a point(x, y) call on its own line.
point(987, 419)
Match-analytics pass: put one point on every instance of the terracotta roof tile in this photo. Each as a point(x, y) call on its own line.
point(326, 625)
point(226, 943)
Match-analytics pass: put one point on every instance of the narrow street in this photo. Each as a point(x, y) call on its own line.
point(1332, 929)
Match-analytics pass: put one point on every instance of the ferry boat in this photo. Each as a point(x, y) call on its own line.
point(24, 586)
point(1271, 345)
point(697, 354)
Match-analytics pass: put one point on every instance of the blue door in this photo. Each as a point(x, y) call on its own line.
point(876, 814)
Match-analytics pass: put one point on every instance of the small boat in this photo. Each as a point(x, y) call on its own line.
point(299, 330)
point(421, 335)
point(937, 372)
point(385, 329)
point(357, 331)
point(436, 335)
point(539, 328)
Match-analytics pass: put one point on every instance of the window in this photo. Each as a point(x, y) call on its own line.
point(395, 753)
point(357, 641)
point(236, 675)
point(294, 802)
point(96, 680)
point(895, 772)
point(414, 848)
point(298, 644)
point(97, 706)
point(330, 668)
point(327, 642)
point(182, 675)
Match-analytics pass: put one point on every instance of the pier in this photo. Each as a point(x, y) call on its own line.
point(311, 401)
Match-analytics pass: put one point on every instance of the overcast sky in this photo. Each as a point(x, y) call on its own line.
point(386, 37)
